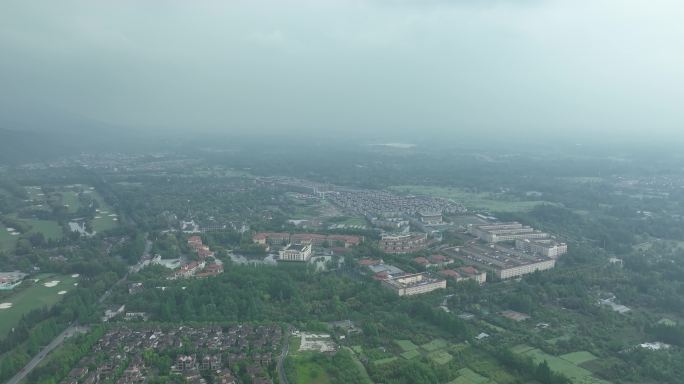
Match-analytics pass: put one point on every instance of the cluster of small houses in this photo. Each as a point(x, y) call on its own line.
point(386, 204)
point(202, 267)
point(225, 349)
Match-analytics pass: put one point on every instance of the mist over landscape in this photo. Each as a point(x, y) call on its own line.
point(342, 192)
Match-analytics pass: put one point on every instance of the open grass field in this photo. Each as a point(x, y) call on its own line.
point(104, 219)
point(50, 229)
point(306, 371)
point(406, 345)
point(71, 201)
point(564, 366)
point(7, 241)
point(483, 200)
point(32, 295)
point(105, 222)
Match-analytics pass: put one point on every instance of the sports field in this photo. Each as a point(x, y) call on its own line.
point(31, 295)
point(481, 200)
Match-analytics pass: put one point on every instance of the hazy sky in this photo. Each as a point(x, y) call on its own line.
point(608, 66)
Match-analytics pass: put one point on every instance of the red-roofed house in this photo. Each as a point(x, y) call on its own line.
point(440, 260)
point(273, 238)
point(369, 262)
point(195, 241)
point(422, 261)
point(451, 273)
point(470, 273)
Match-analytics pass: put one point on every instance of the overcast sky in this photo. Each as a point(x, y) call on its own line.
point(423, 66)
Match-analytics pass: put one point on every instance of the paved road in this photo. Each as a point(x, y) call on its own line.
point(281, 361)
point(72, 330)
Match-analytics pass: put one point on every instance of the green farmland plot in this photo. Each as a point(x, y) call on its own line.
point(412, 354)
point(434, 345)
point(468, 376)
point(386, 360)
point(406, 345)
point(564, 365)
point(440, 357)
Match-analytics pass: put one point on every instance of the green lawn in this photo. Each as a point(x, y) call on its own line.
point(406, 345)
point(50, 229)
point(7, 241)
point(307, 371)
point(70, 199)
point(104, 221)
point(482, 200)
point(31, 295)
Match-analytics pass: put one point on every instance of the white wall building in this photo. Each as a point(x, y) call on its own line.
point(292, 252)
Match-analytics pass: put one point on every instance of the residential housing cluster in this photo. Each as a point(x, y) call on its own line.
point(386, 204)
point(215, 351)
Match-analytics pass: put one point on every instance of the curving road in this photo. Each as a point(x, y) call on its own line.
point(281, 360)
point(72, 330)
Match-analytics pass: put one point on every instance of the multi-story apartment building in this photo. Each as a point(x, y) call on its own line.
point(546, 247)
point(431, 218)
point(494, 233)
point(403, 243)
point(414, 284)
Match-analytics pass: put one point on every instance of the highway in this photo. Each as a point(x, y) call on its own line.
point(56, 342)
